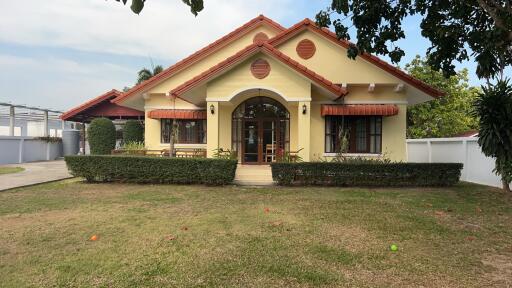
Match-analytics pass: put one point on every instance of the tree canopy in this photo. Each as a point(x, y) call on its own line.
point(196, 6)
point(448, 115)
point(144, 74)
point(483, 26)
point(494, 109)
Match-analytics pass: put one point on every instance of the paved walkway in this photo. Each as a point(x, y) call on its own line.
point(35, 173)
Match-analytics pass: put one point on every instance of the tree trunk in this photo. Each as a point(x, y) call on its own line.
point(506, 185)
point(172, 138)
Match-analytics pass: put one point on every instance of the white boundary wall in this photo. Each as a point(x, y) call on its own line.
point(27, 149)
point(477, 167)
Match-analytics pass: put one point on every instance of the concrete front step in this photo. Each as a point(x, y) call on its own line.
point(253, 175)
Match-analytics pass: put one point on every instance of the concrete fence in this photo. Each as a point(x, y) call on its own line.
point(27, 149)
point(477, 167)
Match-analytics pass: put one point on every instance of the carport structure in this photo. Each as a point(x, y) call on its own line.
point(101, 106)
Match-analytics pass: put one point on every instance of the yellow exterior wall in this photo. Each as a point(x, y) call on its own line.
point(306, 131)
point(281, 80)
point(211, 60)
point(331, 61)
point(393, 134)
point(153, 126)
point(237, 81)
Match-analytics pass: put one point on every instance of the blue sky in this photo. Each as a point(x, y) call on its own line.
point(61, 54)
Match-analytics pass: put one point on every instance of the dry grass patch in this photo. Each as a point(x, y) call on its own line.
point(181, 236)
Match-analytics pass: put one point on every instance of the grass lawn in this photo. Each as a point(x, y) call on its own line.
point(175, 236)
point(9, 170)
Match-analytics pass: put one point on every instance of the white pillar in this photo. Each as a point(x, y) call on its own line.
point(12, 119)
point(45, 124)
point(429, 149)
point(63, 123)
point(212, 128)
point(304, 133)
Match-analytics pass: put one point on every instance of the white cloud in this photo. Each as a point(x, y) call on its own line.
point(57, 83)
point(165, 29)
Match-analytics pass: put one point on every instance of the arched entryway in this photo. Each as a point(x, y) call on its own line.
point(260, 130)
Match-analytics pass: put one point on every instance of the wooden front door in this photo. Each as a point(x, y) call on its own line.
point(260, 141)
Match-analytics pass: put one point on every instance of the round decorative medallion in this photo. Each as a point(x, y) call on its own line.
point(260, 68)
point(306, 49)
point(260, 37)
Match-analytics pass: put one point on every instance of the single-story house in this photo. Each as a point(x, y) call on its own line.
point(264, 89)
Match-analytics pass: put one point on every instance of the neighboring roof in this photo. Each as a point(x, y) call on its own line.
point(360, 109)
point(101, 100)
point(213, 47)
point(249, 51)
point(310, 25)
point(470, 133)
point(177, 114)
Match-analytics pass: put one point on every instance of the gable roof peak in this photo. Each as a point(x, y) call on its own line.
point(200, 54)
point(308, 24)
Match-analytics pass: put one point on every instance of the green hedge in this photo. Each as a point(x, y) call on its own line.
point(102, 136)
point(137, 169)
point(133, 131)
point(386, 174)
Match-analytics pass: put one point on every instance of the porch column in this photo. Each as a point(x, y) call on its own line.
point(304, 133)
point(212, 128)
point(12, 119)
point(45, 123)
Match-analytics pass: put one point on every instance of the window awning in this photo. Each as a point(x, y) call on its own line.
point(360, 110)
point(177, 114)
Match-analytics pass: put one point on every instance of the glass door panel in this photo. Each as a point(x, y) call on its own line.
point(251, 141)
point(269, 141)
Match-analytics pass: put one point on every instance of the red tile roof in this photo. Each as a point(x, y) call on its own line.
point(310, 25)
point(177, 114)
point(470, 133)
point(208, 50)
point(249, 51)
point(97, 103)
point(360, 109)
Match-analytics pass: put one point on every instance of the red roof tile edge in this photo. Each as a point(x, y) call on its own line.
point(95, 101)
point(240, 31)
point(250, 50)
point(309, 24)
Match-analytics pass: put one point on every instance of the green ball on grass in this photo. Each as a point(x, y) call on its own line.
point(393, 248)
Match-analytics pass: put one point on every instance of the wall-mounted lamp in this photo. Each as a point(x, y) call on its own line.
point(212, 109)
point(304, 109)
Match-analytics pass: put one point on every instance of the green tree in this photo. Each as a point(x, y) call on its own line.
point(483, 26)
point(102, 136)
point(196, 6)
point(145, 74)
point(448, 115)
point(494, 107)
point(133, 131)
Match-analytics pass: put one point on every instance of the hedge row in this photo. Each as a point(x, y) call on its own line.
point(387, 174)
point(136, 169)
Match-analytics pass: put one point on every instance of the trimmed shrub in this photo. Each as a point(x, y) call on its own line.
point(385, 174)
point(137, 169)
point(102, 136)
point(133, 131)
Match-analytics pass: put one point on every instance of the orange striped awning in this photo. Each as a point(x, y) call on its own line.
point(177, 114)
point(360, 109)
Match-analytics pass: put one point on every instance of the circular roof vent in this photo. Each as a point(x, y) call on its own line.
point(306, 49)
point(260, 68)
point(260, 37)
